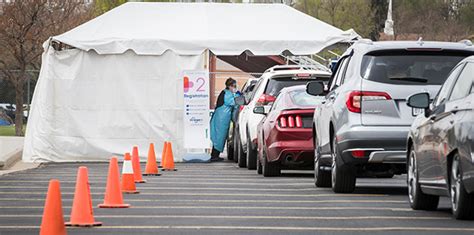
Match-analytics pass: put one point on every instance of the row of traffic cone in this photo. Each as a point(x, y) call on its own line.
point(82, 213)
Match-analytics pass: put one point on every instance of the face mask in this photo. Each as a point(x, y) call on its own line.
point(233, 89)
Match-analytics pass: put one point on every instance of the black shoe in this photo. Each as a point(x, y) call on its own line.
point(217, 159)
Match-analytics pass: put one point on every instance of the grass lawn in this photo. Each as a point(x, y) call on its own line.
point(7, 130)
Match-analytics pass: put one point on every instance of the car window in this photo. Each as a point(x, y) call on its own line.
point(340, 71)
point(407, 67)
point(302, 98)
point(255, 89)
point(444, 91)
point(463, 85)
point(276, 84)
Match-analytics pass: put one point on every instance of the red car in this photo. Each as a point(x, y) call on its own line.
point(285, 139)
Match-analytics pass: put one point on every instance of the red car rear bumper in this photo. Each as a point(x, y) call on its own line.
point(293, 154)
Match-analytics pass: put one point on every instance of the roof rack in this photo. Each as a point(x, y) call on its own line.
point(300, 62)
point(467, 42)
point(296, 67)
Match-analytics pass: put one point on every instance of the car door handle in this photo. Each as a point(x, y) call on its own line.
point(332, 97)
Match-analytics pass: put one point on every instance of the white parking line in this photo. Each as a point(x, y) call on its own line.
point(234, 217)
point(276, 228)
point(226, 201)
point(218, 194)
point(240, 208)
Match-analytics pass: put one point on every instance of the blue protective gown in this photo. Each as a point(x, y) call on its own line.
point(220, 121)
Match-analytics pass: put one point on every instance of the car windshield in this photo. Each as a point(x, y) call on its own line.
point(275, 85)
point(301, 98)
point(410, 67)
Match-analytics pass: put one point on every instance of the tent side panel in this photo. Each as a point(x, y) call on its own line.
point(88, 106)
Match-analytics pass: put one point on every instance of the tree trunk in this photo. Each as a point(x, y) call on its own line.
point(19, 93)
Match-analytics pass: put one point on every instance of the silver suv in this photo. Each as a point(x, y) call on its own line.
point(362, 127)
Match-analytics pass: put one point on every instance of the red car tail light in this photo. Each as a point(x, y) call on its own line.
point(299, 121)
point(290, 121)
point(241, 107)
point(358, 153)
point(265, 99)
point(355, 98)
point(283, 122)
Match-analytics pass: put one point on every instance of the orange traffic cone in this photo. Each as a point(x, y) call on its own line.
point(151, 168)
point(113, 195)
point(169, 162)
point(128, 180)
point(82, 214)
point(53, 220)
point(137, 171)
point(163, 154)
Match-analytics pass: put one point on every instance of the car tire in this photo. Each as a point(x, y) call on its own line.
point(241, 156)
point(322, 179)
point(418, 200)
point(251, 155)
point(270, 169)
point(230, 151)
point(462, 203)
point(259, 166)
point(343, 178)
point(236, 145)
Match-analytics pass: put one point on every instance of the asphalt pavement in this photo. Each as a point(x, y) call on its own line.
point(220, 198)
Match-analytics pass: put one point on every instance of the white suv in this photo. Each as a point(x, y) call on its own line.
point(265, 92)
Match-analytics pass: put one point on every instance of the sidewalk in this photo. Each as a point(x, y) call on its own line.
point(11, 148)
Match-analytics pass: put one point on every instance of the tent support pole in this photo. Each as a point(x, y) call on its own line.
point(212, 78)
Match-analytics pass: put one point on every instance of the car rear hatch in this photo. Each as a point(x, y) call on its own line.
point(390, 76)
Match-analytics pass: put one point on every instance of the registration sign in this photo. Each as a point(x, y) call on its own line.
point(196, 109)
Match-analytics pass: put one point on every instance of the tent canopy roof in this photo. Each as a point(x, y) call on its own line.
point(191, 28)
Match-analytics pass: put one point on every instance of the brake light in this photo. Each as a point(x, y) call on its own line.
point(290, 121)
point(283, 122)
point(265, 99)
point(358, 153)
point(299, 121)
point(241, 107)
point(303, 75)
point(355, 98)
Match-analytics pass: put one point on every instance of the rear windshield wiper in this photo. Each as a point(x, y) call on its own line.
point(410, 79)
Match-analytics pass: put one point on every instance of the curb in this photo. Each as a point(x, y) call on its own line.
point(11, 158)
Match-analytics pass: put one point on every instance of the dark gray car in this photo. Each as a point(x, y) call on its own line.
point(361, 128)
point(441, 145)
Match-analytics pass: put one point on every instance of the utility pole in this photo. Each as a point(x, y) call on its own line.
point(388, 29)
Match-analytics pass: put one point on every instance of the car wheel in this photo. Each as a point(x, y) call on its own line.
point(270, 169)
point(462, 203)
point(259, 166)
point(343, 178)
point(242, 161)
point(236, 145)
point(322, 178)
point(418, 200)
point(230, 151)
point(251, 155)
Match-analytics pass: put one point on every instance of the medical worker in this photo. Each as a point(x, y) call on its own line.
point(221, 118)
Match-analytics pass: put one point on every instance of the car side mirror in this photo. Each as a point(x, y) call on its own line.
point(315, 88)
point(420, 101)
point(264, 110)
point(239, 100)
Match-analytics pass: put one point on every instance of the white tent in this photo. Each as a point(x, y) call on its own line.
point(119, 85)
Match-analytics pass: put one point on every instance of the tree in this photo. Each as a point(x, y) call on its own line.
point(24, 26)
point(102, 6)
point(344, 14)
